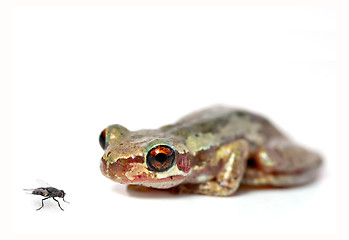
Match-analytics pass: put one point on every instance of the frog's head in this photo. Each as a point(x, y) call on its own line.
point(144, 157)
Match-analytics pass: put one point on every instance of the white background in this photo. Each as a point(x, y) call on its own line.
point(77, 70)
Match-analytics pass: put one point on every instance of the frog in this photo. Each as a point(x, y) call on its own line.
point(211, 152)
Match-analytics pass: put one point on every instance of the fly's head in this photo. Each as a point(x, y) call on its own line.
point(61, 194)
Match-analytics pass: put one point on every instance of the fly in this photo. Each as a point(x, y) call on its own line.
point(48, 192)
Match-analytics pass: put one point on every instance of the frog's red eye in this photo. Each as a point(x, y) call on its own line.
point(160, 158)
point(102, 141)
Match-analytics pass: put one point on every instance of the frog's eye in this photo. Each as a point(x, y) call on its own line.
point(160, 158)
point(102, 141)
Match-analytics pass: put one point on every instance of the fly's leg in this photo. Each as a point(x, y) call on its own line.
point(65, 201)
point(232, 158)
point(58, 204)
point(42, 203)
point(282, 163)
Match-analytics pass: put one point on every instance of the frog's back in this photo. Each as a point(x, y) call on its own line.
point(217, 125)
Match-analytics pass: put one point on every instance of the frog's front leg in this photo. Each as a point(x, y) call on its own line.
point(232, 158)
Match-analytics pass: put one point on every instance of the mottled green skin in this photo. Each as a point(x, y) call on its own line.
point(216, 126)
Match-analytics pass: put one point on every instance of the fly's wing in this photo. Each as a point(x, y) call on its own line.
point(41, 186)
point(29, 190)
point(38, 191)
point(43, 190)
point(42, 183)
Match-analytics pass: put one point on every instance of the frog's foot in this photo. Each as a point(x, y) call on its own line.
point(281, 163)
point(256, 177)
point(233, 158)
point(212, 188)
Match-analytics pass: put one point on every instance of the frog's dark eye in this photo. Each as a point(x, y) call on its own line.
point(160, 158)
point(102, 141)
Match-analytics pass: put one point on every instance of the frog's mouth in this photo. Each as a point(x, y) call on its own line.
point(134, 171)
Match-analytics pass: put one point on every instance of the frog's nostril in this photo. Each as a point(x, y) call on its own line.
point(119, 169)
